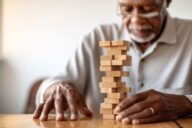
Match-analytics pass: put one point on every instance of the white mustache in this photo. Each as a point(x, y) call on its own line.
point(140, 27)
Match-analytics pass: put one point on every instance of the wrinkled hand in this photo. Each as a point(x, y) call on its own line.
point(60, 97)
point(152, 106)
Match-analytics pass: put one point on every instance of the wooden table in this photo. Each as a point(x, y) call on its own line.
point(26, 121)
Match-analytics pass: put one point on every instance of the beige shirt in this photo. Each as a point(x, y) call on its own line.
point(165, 66)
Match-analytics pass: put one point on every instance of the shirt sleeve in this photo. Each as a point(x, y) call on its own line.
point(189, 97)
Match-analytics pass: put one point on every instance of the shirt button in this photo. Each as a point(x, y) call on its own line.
point(142, 85)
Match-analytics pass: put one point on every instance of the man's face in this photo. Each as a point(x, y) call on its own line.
point(143, 18)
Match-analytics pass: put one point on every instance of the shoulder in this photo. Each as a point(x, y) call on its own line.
point(183, 25)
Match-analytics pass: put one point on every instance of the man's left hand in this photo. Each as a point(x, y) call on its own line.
point(152, 106)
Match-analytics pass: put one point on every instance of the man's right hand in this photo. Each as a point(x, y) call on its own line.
point(61, 96)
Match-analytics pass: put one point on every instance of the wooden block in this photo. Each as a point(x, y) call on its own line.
point(106, 111)
point(104, 43)
point(111, 68)
point(117, 73)
point(120, 43)
point(121, 62)
point(108, 90)
point(111, 79)
point(116, 52)
point(105, 63)
point(107, 106)
point(109, 116)
point(126, 48)
point(124, 89)
point(106, 57)
point(111, 84)
point(122, 57)
point(112, 101)
point(116, 95)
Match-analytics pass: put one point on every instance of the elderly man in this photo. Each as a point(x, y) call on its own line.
point(160, 75)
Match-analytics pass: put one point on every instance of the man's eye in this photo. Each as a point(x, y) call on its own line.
point(149, 8)
point(127, 9)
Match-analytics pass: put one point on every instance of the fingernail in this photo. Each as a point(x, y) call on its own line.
point(73, 117)
point(135, 121)
point(117, 109)
point(126, 121)
point(119, 117)
point(60, 118)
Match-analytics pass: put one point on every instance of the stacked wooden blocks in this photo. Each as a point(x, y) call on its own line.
point(112, 63)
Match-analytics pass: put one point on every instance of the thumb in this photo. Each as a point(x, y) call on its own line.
point(83, 109)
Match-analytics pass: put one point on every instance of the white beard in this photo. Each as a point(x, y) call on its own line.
point(142, 39)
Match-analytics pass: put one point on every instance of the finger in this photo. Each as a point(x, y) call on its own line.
point(143, 114)
point(136, 108)
point(155, 118)
point(71, 103)
point(46, 109)
point(129, 101)
point(59, 105)
point(38, 111)
point(82, 107)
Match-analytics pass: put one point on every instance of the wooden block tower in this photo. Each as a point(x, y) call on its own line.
point(112, 63)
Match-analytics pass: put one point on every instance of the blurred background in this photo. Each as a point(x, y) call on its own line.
point(37, 37)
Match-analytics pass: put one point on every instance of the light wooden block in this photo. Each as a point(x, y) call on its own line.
point(120, 43)
point(106, 111)
point(122, 57)
point(107, 106)
point(116, 95)
point(111, 68)
point(111, 84)
point(105, 62)
point(121, 62)
point(112, 101)
point(108, 90)
point(116, 52)
point(126, 48)
point(124, 89)
point(104, 43)
point(109, 116)
point(117, 73)
point(111, 79)
point(106, 57)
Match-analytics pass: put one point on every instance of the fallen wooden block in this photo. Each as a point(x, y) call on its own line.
point(117, 73)
point(111, 79)
point(104, 43)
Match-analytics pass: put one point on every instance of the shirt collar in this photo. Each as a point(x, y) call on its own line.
point(168, 36)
